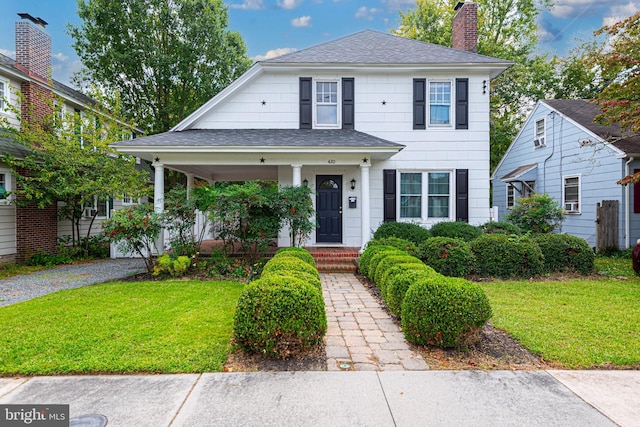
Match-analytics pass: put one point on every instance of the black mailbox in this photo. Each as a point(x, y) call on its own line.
point(353, 202)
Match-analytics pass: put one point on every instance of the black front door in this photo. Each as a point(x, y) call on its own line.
point(329, 208)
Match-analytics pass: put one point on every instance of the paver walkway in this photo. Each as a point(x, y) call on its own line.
point(361, 336)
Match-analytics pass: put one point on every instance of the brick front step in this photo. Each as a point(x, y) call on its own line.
point(335, 260)
point(336, 268)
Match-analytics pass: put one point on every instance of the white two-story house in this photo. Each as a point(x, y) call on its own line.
point(382, 128)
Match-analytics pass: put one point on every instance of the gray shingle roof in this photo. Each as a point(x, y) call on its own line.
point(261, 138)
point(9, 146)
point(79, 97)
point(584, 112)
point(374, 47)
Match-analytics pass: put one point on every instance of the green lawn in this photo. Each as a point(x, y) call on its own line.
point(579, 323)
point(163, 327)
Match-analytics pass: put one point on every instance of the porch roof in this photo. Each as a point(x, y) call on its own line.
point(520, 173)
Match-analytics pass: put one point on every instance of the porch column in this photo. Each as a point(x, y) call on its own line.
point(158, 200)
point(190, 182)
point(364, 203)
point(297, 174)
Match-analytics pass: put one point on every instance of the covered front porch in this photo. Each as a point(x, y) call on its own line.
point(335, 164)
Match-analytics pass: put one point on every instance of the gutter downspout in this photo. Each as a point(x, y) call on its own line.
point(627, 220)
point(553, 149)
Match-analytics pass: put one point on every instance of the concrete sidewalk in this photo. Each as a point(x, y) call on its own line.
point(388, 398)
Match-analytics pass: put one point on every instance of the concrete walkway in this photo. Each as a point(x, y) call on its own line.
point(361, 336)
point(427, 398)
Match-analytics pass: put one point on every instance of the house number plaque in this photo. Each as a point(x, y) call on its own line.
point(332, 162)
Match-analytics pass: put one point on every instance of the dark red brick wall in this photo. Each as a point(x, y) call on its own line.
point(465, 28)
point(38, 101)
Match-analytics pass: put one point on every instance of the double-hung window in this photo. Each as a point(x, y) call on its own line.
point(571, 194)
point(5, 186)
point(327, 103)
point(425, 195)
point(4, 94)
point(539, 137)
point(511, 196)
point(439, 103)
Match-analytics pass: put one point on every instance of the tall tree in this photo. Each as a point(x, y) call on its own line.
point(164, 58)
point(506, 30)
point(71, 162)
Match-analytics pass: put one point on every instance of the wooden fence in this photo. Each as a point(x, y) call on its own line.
point(607, 225)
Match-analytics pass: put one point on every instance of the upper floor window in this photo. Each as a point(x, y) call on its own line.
point(440, 103)
point(571, 194)
point(327, 103)
point(539, 134)
point(4, 94)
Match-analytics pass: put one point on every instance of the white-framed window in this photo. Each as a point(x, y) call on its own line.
point(5, 186)
point(326, 105)
point(440, 103)
point(571, 194)
point(128, 200)
point(539, 133)
point(97, 206)
point(425, 195)
point(511, 196)
point(4, 94)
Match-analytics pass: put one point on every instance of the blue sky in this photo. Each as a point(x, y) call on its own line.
point(275, 26)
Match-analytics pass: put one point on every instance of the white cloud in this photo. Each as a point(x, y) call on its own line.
point(620, 12)
point(274, 53)
point(303, 21)
point(248, 5)
point(60, 57)
point(578, 8)
point(367, 13)
point(289, 4)
point(9, 53)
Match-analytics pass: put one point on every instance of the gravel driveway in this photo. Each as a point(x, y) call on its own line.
point(21, 288)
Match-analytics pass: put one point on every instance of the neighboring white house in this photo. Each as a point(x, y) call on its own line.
point(27, 230)
point(562, 152)
point(382, 128)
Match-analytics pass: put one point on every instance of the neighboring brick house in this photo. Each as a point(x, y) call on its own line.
point(27, 230)
point(382, 128)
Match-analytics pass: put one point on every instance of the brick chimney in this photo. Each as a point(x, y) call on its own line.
point(465, 27)
point(33, 57)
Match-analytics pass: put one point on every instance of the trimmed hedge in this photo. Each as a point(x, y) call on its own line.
point(379, 256)
point(448, 256)
point(397, 285)
point(563, 252)
point(389, 261)
point(403, 244)
point(279, 316)
point(444, 311)
point(499, 255)
point(455, 229)
point(311, 279)
point(500, 227)
point(404, 230)
point(365, 259)
point(291, 264)
point(395, 269)
point(301, 253)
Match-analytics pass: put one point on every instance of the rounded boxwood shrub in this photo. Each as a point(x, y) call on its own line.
point(448, 256)
point(398, 284)
point(289, 263)
point(378, 256)
point(455, 229)
point(388, 262)
point(444, 311)
point(500, 227)
point(499, 255)
point(279, 316)
point(395, 269)
point(563, 252)
point(301, 253)
point(369, 252)
point(403, 244)
point(312, 279)
point(404, 230)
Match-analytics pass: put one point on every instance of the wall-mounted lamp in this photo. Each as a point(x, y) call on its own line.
point(353, 183)
point(484, 87)
point(305, 182)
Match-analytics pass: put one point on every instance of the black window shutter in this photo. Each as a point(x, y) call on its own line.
point(462, 103)
point(348, 104)
point(419, 103)
point(462, 195)
point(306, 106)
point(389, 184)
